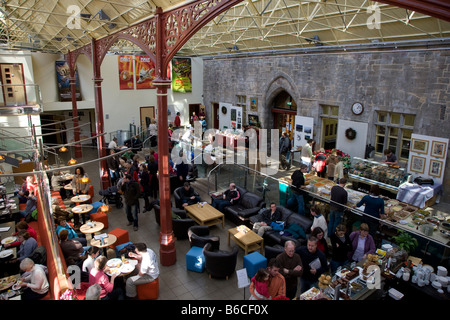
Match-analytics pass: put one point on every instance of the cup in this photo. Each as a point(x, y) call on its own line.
point(406, 276)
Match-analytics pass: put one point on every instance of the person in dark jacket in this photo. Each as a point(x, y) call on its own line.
point(267, 217)
point(188, 195)
point(131, 192)
point(298, 183)
point(229, 197)
point(285, 147)
point(341, 247)
point(314, 264)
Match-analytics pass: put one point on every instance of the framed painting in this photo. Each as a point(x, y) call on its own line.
point(419, 146)
point(254, 104)
point(435, 169)
point(417, 164)
point(438, 149)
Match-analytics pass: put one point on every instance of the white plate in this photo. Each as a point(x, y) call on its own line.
point(126, 268)
point(6, 253)
point(16, 286)
point(9, 240)
point(114, 262)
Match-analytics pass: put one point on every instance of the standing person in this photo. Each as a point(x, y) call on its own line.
point(194, 118)
point(319, 220)
point(338, 198)
point(339, 169)
point(177, 121)
point(267, 217)
point(113, 166)
point(276, 283)
point(229, 197)
point(341, 246)
point(34, 280)
point(322, 244)
point(98, 275)
point(298, 183)
point(153, 132)
point(374, 207)
point(314, 264)
point(362, 243)
point(153, 177)
point(291, 268)
point(319, 163)
point(307, 153)
point(131, 192)
point(261, 287)
point(144, 181)
point(147, 266)
point(331, 164)
point(285, 147)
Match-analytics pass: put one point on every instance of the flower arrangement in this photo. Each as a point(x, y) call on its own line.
point(69, 295)
point(345, 158)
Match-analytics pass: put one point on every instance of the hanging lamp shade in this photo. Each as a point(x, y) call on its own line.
point(72, 162)
point(105, 208)
point(63, 149)
point(85, 180)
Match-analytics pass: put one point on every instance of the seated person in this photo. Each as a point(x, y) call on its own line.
point(22, 225)
point(34, 280)
point(229, 197)
point(71, 249)
point(20, 193)
point(78, 187)
point(29, 208)
point(97, 275)
point(59, 212)
point(188, 196)
point(27, 246)
point(72, 234)
point(268, 216)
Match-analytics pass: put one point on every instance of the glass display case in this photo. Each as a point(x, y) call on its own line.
point(377, 171)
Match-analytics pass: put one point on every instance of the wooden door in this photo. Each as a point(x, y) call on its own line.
point(216, 115)
point(12, 74)
point(146, 113)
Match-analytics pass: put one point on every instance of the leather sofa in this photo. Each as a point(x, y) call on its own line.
point(218, 263)
point(177, 196)
point(199, 236)
point(248, 205)
point(273, 238)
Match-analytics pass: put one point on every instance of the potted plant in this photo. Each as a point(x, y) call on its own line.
point(405, 241)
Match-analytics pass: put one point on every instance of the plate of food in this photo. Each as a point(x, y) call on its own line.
point(9, 240)
point(6, 253)
point(114, 263)
point(126, 268)
point(6, 283)
point(16, 286)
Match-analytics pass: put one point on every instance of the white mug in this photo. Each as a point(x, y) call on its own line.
point(406, 276)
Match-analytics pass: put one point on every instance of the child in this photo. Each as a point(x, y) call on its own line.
point(260, 282)
point(319, 220)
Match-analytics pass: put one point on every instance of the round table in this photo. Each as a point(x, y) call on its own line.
point(118, 261)
point(82, 209)
point(80, 198)
point(90, 228)
point(110, 240)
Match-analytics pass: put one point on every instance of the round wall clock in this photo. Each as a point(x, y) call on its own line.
point(224, 110)
point(357, 108)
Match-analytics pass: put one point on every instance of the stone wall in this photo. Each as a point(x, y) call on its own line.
point(412, 80)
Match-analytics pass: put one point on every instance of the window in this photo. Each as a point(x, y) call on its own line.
point(393, 131)
point(242, 102)
point(330, 117)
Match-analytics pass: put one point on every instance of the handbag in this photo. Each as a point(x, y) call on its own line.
point(277, 226)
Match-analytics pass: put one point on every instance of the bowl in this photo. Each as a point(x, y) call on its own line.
point(446, 225)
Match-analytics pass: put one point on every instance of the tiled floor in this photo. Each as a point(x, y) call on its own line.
point(176, 282)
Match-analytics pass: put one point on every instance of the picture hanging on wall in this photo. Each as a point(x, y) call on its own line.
point(254, 104)
point(435, 169)
point(438, 149)
point(417, 164)
point(181, 75)
point(62, 77)
point(419, 146)
point(126, 74)
point(253, 119)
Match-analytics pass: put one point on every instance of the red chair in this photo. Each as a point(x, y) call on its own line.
point(148, 291)
point(91, 193)
point(122, 237)
point(100, 217)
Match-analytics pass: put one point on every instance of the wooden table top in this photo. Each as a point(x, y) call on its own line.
point(110, 240)
point(82, 208)
point(91, 228)
point(80, 198)
point(204, 213)
point(247, 238)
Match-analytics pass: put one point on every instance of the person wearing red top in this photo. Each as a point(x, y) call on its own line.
point(22, 225)
point(177, 121)
point(97, 275)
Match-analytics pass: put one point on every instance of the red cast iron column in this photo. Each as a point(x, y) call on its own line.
point(166, 237)
point(76, 134)
point(99, 116)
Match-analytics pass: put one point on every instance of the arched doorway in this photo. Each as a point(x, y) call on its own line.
point(284, 110)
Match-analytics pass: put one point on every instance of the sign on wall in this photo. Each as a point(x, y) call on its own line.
point(304, 130)
point(181, 75)
point(62, 77)
point(126, 81)
point(145, 72)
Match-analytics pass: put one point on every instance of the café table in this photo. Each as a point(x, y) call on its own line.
point(7, 287)
point(11, 229)
point(80, 198)
point(92, 227)
point(82, 209)
point(205, 214)
point(108, 241)
point(124, 266)
point(246, 239)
